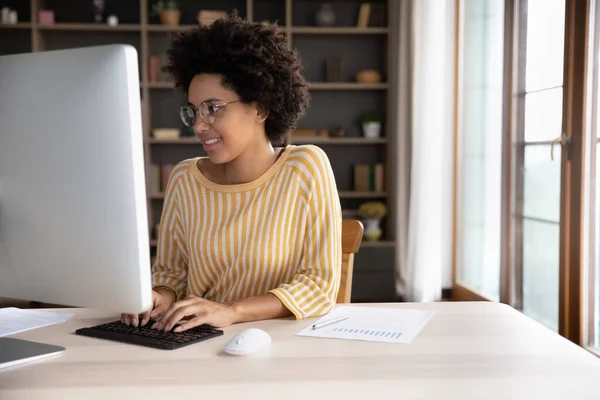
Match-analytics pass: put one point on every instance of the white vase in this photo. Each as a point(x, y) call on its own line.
point(372, 229)
point(371, 130)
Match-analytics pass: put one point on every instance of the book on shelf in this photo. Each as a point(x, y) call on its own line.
point(369, 177)
point(159, 177)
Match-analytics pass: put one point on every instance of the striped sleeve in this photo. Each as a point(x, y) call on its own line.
point(171, 267)
point(313, 289)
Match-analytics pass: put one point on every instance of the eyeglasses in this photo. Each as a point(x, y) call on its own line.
point(207, 112)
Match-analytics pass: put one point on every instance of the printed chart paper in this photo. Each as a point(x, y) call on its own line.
point(373, 324)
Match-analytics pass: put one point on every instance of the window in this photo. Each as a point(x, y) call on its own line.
point(536, 217)
point(478, 262)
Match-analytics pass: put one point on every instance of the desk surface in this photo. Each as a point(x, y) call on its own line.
point(467, 350)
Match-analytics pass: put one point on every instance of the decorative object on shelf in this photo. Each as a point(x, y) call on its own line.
point(168, 12)
point(8, 16)
point(112, 20)
point(372, 213)
point(155, 64)
point(46, 17)
point(99, 11)
point(207, 17)
point(334, 69)
point(153, 68)
point(368, 76)
point(338, 131)
point(371, 124)
point(166, 134)
point(12, 17)
point(4, 15)
point(325, 16)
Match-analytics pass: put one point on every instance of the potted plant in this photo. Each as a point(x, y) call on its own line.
point(372, 213)
point(168, 11)
point(371, 124)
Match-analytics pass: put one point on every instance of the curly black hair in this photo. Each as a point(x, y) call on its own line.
point(254, 61)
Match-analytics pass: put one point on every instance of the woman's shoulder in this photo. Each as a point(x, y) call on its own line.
point(308, 155)
point(179, 170)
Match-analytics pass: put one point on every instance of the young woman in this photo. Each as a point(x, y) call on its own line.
point(251, 231)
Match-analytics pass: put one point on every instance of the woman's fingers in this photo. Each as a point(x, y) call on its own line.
point(180, 310)
point(145, 318)
point(176, 316)
point(158, 312)
point(125, 319)
point(192, 323)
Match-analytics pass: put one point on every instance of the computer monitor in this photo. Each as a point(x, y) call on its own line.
point(73, 213)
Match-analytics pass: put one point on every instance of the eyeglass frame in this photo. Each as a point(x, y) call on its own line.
point(196, 111)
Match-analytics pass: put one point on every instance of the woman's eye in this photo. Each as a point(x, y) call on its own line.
point(212, 108)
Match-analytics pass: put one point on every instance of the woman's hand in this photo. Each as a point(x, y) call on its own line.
point(162, 299)
point(200, 310)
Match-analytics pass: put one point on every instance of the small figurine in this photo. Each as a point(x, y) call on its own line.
point(112, 20)
point(338, 131)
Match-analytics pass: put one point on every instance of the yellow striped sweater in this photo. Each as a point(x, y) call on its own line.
point(280, 234)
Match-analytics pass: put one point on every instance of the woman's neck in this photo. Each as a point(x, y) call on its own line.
point(250, 165)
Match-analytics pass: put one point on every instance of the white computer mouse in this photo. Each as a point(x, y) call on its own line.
point(247, 342)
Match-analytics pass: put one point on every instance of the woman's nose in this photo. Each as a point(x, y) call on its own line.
point(200, 126)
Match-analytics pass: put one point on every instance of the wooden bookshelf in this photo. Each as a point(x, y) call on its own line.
point(333, 103)
point(90, 27)
point(342, 30)
point(19, 25)
point(347, 86)
point(166, 28)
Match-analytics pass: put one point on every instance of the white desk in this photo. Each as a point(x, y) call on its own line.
point(466, 351)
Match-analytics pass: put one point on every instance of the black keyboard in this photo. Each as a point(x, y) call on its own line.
point(145, 336)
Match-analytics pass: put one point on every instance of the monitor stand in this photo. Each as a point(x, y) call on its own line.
point(14, 352)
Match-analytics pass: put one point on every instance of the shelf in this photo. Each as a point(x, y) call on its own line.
point(338, 30)
point(158, 85)
point(362, 195)
point(153, 242)
point(19, 25)
point(169, 28)
point(347, 86)
point(334, 140)
point(343, 194)
point(380, 243)
point(183, 141)
point(90, 27)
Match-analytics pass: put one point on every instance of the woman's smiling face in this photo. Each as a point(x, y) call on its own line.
point(235, 125)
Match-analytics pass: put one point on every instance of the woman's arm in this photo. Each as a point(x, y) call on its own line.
point(313, 289)
point(221, 315)
point(257, 308)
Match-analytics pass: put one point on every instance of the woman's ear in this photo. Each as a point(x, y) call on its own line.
point(262, 112)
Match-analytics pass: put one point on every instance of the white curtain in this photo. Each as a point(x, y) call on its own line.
point(424, 37)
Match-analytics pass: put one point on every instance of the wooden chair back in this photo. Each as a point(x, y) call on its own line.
point(352, 234)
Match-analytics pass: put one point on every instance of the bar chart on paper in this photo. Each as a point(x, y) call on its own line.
point(374, 324)
point(366, 332)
